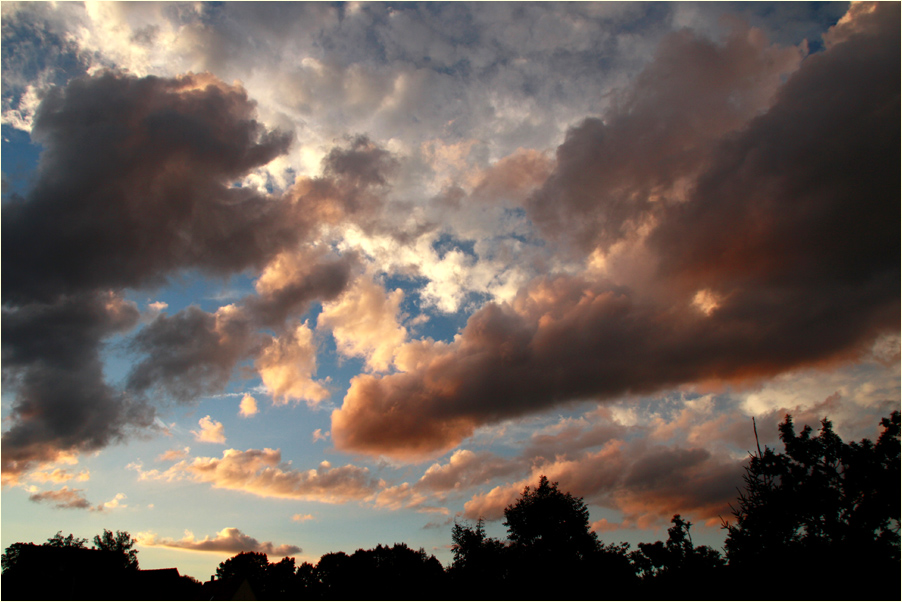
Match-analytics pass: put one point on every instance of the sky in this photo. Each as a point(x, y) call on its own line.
point(300, 278)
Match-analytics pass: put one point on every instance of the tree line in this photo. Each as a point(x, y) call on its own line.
point(819, 520)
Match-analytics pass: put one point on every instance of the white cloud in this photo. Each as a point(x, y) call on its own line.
point(364, 322)
point(211, 431)
point(248, 406)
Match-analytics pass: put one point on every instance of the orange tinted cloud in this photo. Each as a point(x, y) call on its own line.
point(787, 279)
point(262, 473)
point(248, 406)
point(211, 431)
point(364, 322)
point(287, 365)
point(230, 541)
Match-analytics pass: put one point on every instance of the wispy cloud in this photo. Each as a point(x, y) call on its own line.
point(262, 473)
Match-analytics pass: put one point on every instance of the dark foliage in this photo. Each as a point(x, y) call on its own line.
point(479, 561)
point(69, 541)
point(121, 543)
point(823, 507)
point(678, 566)
point(383, 573)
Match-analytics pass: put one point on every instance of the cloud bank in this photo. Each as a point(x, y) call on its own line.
point(228, 541)
point(768, 248)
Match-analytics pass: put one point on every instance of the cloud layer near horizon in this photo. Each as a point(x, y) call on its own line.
point(230, 541)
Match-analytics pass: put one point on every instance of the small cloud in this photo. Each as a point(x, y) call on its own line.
point(210, 431)
point(61, 498)
point(302, 518)
point(319, 435)
point(439, 524)
point(248, 406)
point(171, 455)
point(57, 475)
point(153, 310)
point(113, 503)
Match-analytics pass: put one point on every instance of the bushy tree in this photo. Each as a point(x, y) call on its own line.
point(479, 561)
point(381, 573)
point(121, 543)
point(677, 557)
point(823, 506)
point(472, 550)
point(549, 533)
point(69, 541)
point(10, 556)
point(550, 522)
point(247, 565)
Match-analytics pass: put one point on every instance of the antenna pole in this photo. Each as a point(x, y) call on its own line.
point(758, 445)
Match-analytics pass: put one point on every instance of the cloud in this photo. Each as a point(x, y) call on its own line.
point(160, 185)
point(58, 475)
point(62, 498)
point(144, 187)
point(51, 359)
point(287, 365)
point(193, 352)
point(230, 540)
point(262, 473)
point(301, 518)
point(293, 279)
point(647, 483)
point(799, 282)
point(248, 406)
point(210, 431)
point(406, 496)
point(612, 173)
point(171, 455)
point(364, 322)
point(465, 469)
point(116, 502)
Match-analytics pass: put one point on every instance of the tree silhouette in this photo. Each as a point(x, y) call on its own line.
point(822, 506)
point(10, 557)
point(121, 543)
point(479, 561)
point(549, 533)
point(69, 541)
point(550, 522)
point(677, 565)
point(245, 565)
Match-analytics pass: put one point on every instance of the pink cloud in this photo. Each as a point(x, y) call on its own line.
point(230, 541)
point(783, 290)
point(262, 473)
point(211, 431)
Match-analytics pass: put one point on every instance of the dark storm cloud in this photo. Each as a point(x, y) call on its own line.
point(137, 180)
point(192, 352)
point(611, 173)
point(764, 265)
point(51, 358)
